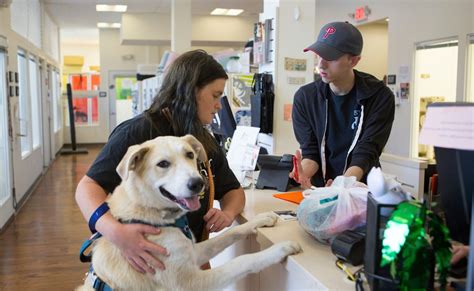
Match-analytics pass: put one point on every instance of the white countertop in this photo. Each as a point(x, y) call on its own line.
point(316, 262)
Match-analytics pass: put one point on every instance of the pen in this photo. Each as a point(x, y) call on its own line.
point(295, 169)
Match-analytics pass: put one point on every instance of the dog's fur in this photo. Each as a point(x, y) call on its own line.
point(140, 196)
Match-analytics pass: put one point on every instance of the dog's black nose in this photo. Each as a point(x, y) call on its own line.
point(195, 184)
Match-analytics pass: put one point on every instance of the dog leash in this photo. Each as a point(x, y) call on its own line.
point(210, 204)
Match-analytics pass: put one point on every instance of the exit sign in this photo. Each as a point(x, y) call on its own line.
point(361, 13)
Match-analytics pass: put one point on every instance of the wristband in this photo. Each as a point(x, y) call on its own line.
point(101, 210)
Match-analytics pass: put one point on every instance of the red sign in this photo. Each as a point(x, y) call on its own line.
point(360, 14)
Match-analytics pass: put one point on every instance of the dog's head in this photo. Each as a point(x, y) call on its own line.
point(165, 172)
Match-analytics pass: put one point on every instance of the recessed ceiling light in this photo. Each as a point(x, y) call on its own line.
point(219, 11)
point(227, 12)
point(110, 8)
point(108, 25)
point(234, 12)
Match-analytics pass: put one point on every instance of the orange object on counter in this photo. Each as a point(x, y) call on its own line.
point(295, 197)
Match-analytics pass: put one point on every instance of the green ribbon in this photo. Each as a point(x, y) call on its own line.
point(406, 246)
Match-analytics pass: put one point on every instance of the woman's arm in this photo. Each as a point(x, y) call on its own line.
point(129, 238)
point(232, 205)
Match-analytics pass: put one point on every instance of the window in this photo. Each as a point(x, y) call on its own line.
point(34, 97)
point(470, 70)
point(84, 98)
point(24, 105)
point(436, 65)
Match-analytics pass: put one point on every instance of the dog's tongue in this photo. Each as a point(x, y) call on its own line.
point(192, 203)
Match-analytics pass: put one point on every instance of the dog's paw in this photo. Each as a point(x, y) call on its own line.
point(290, 248)
point(265, 219)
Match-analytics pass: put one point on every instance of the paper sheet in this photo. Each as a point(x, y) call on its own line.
point(449, 127)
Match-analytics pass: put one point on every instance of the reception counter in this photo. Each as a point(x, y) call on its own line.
point(313, 269)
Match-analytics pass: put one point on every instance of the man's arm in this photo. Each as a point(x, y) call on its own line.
point(376, 130)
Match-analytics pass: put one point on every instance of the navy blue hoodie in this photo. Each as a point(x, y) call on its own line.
point(309, 117)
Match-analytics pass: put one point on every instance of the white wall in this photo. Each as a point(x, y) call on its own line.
point(410, 22)
point(375, 52)
point(26, 171)
point(291, 37)
point(155, 29)
point(90, 52)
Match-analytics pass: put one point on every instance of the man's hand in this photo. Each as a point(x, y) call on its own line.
point(301, 178)
point(216, 220)
point(131, 240)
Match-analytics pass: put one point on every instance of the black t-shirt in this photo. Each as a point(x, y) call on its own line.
point(138, 130)
point(343, 119)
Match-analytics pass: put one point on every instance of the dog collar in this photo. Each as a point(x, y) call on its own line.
point(181, 223)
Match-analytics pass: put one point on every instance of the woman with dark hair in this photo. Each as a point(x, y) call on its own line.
point(186, 103)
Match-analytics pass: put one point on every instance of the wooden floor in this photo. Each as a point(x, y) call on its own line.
point(39, 250)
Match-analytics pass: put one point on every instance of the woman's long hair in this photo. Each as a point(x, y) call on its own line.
point(186, 75)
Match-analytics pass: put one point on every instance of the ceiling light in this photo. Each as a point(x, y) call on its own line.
point(108, 25)
point(219, 11)
point(234, 12)
point(110, 8)
point(227, 12)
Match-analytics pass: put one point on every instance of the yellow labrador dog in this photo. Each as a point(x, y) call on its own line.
point(160, 183)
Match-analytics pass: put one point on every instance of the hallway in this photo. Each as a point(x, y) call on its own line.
point(39, 250)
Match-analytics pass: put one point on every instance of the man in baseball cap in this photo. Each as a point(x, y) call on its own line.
point(343, 119)
point(336, 39)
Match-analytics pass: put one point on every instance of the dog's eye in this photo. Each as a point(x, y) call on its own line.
point(163, 164)
point(190, 155)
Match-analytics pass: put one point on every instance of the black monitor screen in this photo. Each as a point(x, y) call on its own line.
point(223, 123)
point(456, 186)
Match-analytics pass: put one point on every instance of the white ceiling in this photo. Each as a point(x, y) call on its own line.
point(78, 19)
point(82, 14)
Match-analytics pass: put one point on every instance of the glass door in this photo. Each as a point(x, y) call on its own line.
point(6, 206)
point(121, 101)
point(436, 65)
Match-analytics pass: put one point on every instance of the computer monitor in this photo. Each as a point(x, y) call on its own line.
point(223, 125)
point(455, 180)
point(456, 186)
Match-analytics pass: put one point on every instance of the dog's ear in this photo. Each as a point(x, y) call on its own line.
point(197, 147)
point(131, 160)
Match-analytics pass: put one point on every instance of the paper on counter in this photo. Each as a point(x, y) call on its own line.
point(243, 152)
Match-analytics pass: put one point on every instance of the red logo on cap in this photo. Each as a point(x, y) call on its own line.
point(329, 31)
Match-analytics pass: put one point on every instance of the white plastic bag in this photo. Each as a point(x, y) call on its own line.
point(326, 212)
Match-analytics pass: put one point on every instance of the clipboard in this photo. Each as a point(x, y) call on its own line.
point(294, 197)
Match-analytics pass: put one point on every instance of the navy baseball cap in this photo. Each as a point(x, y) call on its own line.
point(336, 39)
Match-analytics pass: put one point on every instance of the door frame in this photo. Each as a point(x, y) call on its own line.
point(6, 208)
point(45, 97)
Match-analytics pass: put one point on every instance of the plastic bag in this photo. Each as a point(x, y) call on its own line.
point(326, 212)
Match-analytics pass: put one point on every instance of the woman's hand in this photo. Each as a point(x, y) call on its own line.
point(131, 240)
point(216, 220)
point(459, 252)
